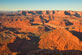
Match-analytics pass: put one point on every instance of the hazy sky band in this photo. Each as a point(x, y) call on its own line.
point(13, 5)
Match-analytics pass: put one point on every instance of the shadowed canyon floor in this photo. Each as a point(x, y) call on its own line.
point(41, 33)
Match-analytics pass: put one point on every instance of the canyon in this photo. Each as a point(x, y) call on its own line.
point(36, 32)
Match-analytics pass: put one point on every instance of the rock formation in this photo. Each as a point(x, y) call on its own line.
point(60, 39)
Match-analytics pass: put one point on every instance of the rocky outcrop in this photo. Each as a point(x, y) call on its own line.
point(60, 39)
point(58, 23)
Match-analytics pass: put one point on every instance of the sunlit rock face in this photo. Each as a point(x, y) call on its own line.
point(60, 39)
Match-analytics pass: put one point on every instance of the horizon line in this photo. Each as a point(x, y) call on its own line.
point(41, 10)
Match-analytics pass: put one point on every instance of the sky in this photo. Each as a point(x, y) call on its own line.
point(15, 5)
